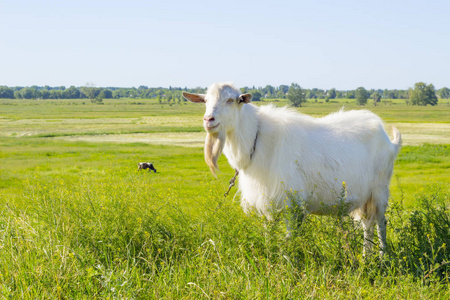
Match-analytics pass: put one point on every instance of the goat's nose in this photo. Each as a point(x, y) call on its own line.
point(208, 118)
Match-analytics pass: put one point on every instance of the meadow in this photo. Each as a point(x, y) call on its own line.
point(78, 221)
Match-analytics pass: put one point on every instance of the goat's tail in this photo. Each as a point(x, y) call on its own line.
point(397, 141)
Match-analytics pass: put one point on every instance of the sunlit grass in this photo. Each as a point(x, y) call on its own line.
point(78, 220)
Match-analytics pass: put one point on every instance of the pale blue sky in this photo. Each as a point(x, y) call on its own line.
point(324, 44)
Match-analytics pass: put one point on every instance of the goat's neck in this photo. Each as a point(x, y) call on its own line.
point(240, 142)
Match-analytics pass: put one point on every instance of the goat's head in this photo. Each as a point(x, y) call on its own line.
point(223, 103)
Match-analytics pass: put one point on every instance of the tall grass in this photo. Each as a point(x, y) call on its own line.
point(110, 239)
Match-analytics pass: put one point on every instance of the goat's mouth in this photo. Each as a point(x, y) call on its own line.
point(210, 128)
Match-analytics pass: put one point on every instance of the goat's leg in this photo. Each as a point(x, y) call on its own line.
point(382, 202)
point(369, 227)
point(382, 233)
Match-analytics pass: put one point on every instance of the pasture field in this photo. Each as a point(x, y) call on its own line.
point(78, 221)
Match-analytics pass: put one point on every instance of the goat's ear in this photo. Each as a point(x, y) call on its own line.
point(245, 98)
point(197, 98)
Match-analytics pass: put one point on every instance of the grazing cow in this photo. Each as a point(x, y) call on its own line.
point(146, 165)
point(277, 150)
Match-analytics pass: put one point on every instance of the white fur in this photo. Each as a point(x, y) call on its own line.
point(308, 157)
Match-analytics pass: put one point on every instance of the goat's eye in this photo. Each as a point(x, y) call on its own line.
point(230, 100)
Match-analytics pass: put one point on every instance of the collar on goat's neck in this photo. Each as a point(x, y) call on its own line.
point(254, 142)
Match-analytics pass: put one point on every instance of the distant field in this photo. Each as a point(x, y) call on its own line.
point(79, 221)
point(144, 121)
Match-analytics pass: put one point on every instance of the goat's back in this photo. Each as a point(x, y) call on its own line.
point(314, 156)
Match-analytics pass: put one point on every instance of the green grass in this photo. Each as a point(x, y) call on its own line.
point(112, 108)
point(418, 167)
point(395, 111)
point(79, 221)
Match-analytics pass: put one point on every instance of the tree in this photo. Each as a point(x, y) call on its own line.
point(6, 92)
point(351, 94)
point(284, 88)
point(71, 93)
point(45, 94)
point(56, 94)
point(89, 90)
point(270, 90)
point(423, 94)
point(361, 96)
point(28, 93)
point(280, 94)
point(376, 98)
point(295, 95)
point(309, 94)
point(244, 90)
point(431, 95)
point(444, 93)
point(332, 93)
point(256, 96)
point(105, 94)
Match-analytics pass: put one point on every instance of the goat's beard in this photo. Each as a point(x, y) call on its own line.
point(214, 144)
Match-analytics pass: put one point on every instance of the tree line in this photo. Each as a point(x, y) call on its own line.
point(421, 94)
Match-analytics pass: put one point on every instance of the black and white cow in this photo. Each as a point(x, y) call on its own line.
point(146, 165)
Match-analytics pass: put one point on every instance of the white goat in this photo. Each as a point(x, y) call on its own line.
point(277, 150)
